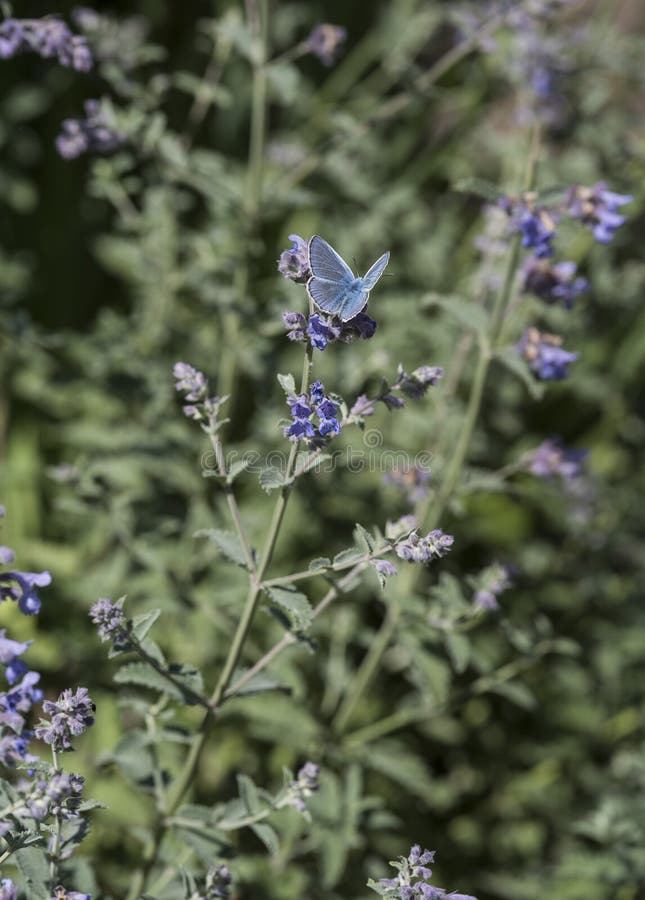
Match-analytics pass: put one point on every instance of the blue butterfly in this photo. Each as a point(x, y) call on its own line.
point(333, 286)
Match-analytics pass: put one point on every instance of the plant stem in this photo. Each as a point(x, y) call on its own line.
point(231, 500)
point(487, 347)
point(58, 824)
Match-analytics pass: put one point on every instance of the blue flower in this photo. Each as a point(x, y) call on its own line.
point(551, 459)
point(320, 333)
point(545, 355)
point(325, 41)
point(48, 37)
point(21, 586)
point(535, 224)
point(303, 407)
point(110, 620)
point(424, 549)
point(321, 330)
point(412, 881)
point(597, 208)
point(557, 283)
point(92, 134)
point(71, 714)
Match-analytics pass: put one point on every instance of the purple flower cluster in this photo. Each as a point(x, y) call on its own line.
point(321, 330)
point(306, 783)
point(424, 549)
point(551, 459)
point(413, 879)
point(49, 37)
point(294, 262)
point(71, 714)
point(23, 693)
point(194, 386)
point(553, 283)
point(304, 407)
point(61, 894)
point(92, 134)
point(597, 208)
point(8, 890)
point(536, 224)
point(493, 582)
point(544, 353)
point(325, 42)
point(413, 480)
point(60, 795)
point(218, 883)
point(110, 620)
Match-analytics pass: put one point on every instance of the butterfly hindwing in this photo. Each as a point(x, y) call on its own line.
point(352, 304)
point(327, 295)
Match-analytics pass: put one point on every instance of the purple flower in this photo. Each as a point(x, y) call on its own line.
point(294, 262)
point(413, 480)
point(7, 555)
point(535, 224)
point(551, 459)
point(303, 407)
point(49, 37)
point(320, 332)
point(424, 549)
point(218, 882)
point(305, 784)
point(61, 894)
point(384, 567)
point(21, 586)
point(597, 208)
point(8, 890)
point(545, 355)
point(493, 582)
point(71, 714)
point(110, 620)
point(193, 384)
point(92, 134)
point(296, 325)
point(325, 42)
point(557, 283)
point(412, 881)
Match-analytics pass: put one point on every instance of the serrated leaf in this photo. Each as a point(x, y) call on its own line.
point(34, 868)
point(345, 557)
point(294, 604)
point(260, 684)
point(141, 674)
point(142, 624)
point(273, 478)
point(487, 190)
point(511, 360)
point(249, 795)
point(364, 539)
point(268, 836)
point(470, 315)
point(227, 543)
point(236, 468)
point(458, 648)
point(321, 562)
point(287, 384)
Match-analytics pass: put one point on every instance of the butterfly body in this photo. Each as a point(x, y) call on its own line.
point(333, 287)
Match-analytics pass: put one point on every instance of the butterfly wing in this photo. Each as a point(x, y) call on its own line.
point(352, 303)
point(325, 263)
point(327, 295)
point(374, 272)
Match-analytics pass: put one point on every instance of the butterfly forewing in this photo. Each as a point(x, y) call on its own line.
point(374, 272)
point(325, 263)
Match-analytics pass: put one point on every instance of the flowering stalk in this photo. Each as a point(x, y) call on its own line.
point(379, 645)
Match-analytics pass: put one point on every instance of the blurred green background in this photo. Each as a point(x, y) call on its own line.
point(525, 768)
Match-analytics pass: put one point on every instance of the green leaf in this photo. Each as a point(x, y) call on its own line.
point(236, 468)
point(287, 384)
point(272, 478)
point(351, 555)
point(249, 795)
point(294, 604)
point(34, 868)
point(468, 314)
point(511, 360)
point(458, 648)
point(142, 624)
point(227, 543)
point(479, 186)
point(321, 562)
point(260, 684)
point(517, 693)
point(143, 675)
point(364, 539)
point(268, 836)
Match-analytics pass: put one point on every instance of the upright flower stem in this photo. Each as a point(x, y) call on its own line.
point(56, 838)
point(256, 576)
point(487, 347)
